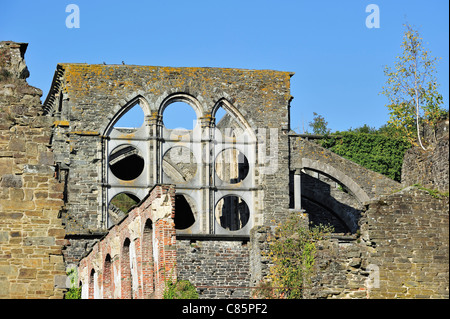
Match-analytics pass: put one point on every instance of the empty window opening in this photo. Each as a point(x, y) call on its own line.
point(147, 260)
point(220, 113)
point(92, 285)
point(184, 216)
point(124, 201)
point(133, 118)
point(231, 166)
point(227, 124)
point(232, 213)
point(179, 115)
point(126, 163)
point(107, 278)
point(119, 206)
point(179, 164)
point(126, 282)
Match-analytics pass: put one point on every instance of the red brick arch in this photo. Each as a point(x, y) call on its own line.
point(147, 235)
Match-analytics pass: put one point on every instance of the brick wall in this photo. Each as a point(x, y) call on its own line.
point(137, 256)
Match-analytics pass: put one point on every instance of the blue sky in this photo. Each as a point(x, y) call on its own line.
point(338, 61)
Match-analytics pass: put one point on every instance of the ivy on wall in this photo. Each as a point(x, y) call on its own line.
point(378, 152)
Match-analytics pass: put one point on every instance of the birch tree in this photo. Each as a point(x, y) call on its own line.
point(411, 87)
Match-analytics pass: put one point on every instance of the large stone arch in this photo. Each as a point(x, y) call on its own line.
point(339, 176)
point(234, 112)
point(120, 109)
point(164, 101)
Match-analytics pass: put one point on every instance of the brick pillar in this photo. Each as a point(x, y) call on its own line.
point(125, 271)
point(163, 213)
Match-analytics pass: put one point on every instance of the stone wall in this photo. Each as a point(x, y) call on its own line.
point(86, 100)
point(429, 168)
point(329, 203)
point(363, 183)
point(219, 268)
point(341, 270)
point(401, 251)
point(408, 235)
point(31, 198)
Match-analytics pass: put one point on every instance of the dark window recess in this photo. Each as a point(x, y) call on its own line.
point(184, 217)
point(232, 212)
point(125, 163)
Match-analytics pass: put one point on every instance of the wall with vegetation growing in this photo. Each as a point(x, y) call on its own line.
point(377, 152)
point(430, 167)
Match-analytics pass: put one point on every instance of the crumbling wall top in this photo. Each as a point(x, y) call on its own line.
point(102, 90)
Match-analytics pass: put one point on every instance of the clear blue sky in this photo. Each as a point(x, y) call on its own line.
point(338, 61)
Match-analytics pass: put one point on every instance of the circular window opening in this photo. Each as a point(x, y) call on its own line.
point(120, 205)
point(184, 215)
point(232, 213)
point(179, 164)
point(179, 115)
point(126, 163)
point(231, 166)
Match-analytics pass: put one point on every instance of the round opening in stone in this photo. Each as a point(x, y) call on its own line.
point(232, 213)
point(120, 205)
point(231, 166)
point(126, 163)
point(179, 164)
point(184, 211)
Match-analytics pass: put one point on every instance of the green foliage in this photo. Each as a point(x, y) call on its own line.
point(433, 192)
point(124, 202)
point(73, 292)
point(182, 289)
point(319, 125)
point(376, 151)
point(411, 87)
point(292, 253)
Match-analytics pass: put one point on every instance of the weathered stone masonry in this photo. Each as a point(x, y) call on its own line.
point(429, 168)
point(31, 234)
point(86, 100)
point(222, 185)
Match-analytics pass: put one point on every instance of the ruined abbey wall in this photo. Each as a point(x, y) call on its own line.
point(86, 100)
point(56, 185)
point(219, 268)
point(430, 167)
point(31, 198)
point(400, 251)
point(137, 256)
